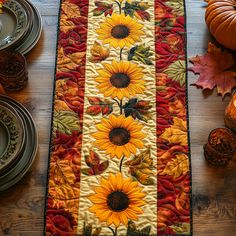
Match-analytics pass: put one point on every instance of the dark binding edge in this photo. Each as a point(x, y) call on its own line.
point(187, 118)
point(52, 114)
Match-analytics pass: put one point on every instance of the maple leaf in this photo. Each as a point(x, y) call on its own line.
point(137, 9)
point(214, 70)
point(140, 53)
point(102, 7)
point(137, 109)
point(68, 62)
point(99, 106)
point(177, 71)
point(177, 133)
point(178, 166)
point(64, 187)
point(141, 167)
point(99, 53)
point(65, 24)
point(132, 230)
point(95, 166)
point(65, 122)
point(70, 10)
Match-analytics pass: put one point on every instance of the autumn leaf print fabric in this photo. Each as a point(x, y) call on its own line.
point(119, 153)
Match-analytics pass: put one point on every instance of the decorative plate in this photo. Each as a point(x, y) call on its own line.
point(14, 23)
point(4, 139)
point(33, 35)
point(13, 139)
point(14, 174)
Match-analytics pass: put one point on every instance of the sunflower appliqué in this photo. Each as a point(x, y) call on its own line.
point(120, 31)
point(121, 79)
point(117, 200)
point(118, 135)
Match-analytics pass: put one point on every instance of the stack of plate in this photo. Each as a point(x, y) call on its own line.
point(18, 142)
point(20, 26)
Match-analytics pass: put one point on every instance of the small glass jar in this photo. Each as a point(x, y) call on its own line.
point(221, 147)
point(13, 70)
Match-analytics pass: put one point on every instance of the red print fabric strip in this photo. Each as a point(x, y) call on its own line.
point(66, 138)
point(174, 188)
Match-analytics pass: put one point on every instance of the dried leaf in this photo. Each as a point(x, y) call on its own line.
point(177, 6)
point(64, 187)
point(95, 167)
point(92, 159)
point(65, 24)
point(178, 166)
point(214, 70)
point(99, 106)
point(65, 122)
point(142, 15)
point(103, 8)
point(177, 71)
point(141, 167)
point(88, 230)
point(71, 10)
point(140, 53)
point(137, 9)
point(177, 133)
point(68, 62)
point(60, 105)
point(137, 109)
point(99, 53)
point(133, 231)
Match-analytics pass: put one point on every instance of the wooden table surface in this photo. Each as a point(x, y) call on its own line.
point(214, 190)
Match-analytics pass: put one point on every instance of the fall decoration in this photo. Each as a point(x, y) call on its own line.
point(220, 19)
point(119, 162)
point(140, 53)
point(99, 106)
point(94, 163)
point(102, 8)
point(137, 109)
point(214, 69)
point(230, 114)
point(220, 147)
point(99, 53)
point(141, 168)
point(117, 199)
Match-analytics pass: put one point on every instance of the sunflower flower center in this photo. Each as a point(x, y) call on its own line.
point(119, 136)
point(117, 201)
point(120, 80)
point(120, 31)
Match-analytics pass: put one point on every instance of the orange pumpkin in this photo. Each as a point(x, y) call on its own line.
point(221, 21)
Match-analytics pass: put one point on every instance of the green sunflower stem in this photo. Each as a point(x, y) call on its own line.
point(113, 231)
point(120, 104)
point(121, 163)
point(121, 50)
point(119, 5)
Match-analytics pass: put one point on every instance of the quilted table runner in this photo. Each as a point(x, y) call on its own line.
point(119, 153)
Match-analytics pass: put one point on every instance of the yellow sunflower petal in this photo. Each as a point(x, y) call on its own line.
point(116, 20)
